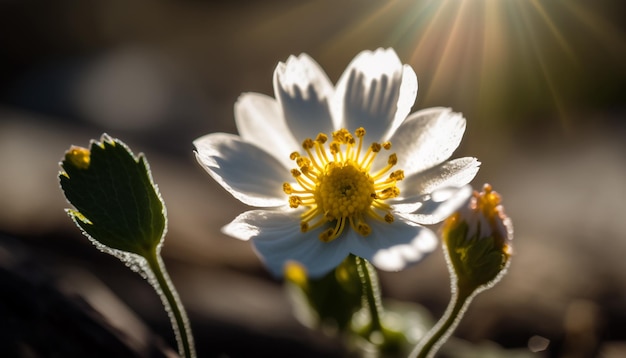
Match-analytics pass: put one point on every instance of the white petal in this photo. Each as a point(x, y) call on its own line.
point(250, 224)
point(435, 207)
point(303, 90)
point(277, 239)
point(375, 92)
point(456, 173)
point(427, 138)
point(392, 247)
point(244, 170)
point(406, 98)
point(260, 122)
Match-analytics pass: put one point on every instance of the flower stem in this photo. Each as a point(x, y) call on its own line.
point(437, 336)
point(371, 292)
point(162, 283)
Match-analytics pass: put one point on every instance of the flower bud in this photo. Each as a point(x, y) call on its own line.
point(477, 240)
point(328, 302)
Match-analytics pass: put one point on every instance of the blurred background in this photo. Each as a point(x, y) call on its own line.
point(542, 84)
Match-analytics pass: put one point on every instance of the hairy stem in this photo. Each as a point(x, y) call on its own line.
point(370, 291)
point(438, 335)
point(170, 299)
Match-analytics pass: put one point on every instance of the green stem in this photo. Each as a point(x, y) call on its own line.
point(371, 292)
point(175, 310)
point(431, 343)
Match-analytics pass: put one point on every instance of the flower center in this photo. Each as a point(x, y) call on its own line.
point(337, 187)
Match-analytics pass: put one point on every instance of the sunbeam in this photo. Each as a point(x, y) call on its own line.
point(494, 58)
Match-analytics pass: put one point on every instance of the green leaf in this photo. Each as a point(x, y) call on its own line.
point(116, 202)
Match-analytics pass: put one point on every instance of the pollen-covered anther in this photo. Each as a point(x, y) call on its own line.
point(342, 136)
point(295, 173)
point(294, 155)
point(397, 175)
point(393, 159)
point(327, 235)
point(306, 169)
point(308, 143)
point(488, 201)
point(364, 229)
point(304, 226)
point(294, 201)
point(387, 145)
point(321, 138)
point(391, 192)
point(287, 188)
point(303, 162)
point(375, 147)
point(389, 218)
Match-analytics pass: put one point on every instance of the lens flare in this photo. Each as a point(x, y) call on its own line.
point(490, 58)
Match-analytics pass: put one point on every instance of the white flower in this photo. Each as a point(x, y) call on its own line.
point(340, 170)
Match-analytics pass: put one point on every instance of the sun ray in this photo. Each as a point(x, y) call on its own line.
point(428, 36)
point(549, 22)
point(451, 44)
point(490, 58)
point(612, 38)
point(494, 56)
point(541, 60)
point(359, 25)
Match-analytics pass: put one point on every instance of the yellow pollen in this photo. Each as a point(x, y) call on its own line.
point(393, 159)
point(308, 143)
point(397, 175)
point(294, 201)
point(364, 229)
point(321, 138)
point(80, 157)
point(334, 184)
point(487, 201)
point(303, 162)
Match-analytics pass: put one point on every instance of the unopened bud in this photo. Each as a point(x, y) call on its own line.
point(478, 240)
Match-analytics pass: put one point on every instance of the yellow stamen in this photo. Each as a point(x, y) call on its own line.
point(336, 187)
